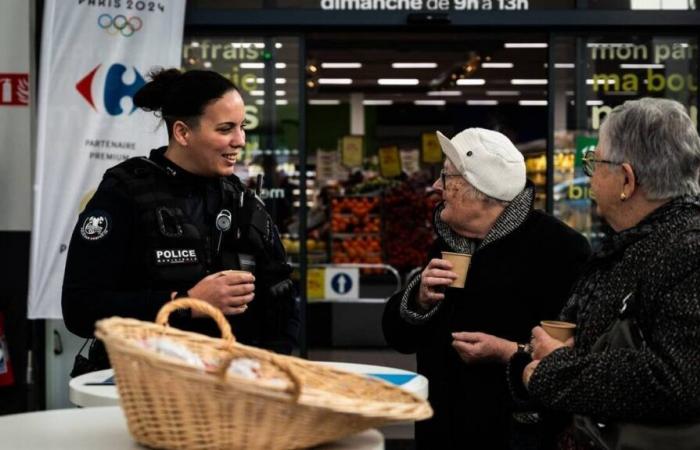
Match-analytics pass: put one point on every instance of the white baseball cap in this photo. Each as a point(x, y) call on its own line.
point(487, 160)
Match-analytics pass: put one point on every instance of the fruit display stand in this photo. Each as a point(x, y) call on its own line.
point(356, 225)
point(316, 251)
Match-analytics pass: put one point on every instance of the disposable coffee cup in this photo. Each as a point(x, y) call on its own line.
point(227, 272)
point(460, 266)
point(561, 331)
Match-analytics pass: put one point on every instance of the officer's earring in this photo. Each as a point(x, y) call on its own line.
point(623, 196)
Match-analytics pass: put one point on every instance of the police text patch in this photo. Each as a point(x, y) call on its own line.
point(95, 226)
point(175, 256)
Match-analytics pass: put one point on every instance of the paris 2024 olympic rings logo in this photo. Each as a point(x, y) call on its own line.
point(120, 24)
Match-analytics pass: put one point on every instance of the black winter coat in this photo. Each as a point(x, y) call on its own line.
point(512, 284)
point(659, 261)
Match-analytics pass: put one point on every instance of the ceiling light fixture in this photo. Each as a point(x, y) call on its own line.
point(525, 45)
point(471, 82)
point(311, 68)
point(277, 80)
point(429, 102)
point(532, 102)
point(324, 102)
point(642, 66)
point(341, 65)
point(398, 81)
point(503, 93)
point(482, 102)
point(497, 65)
point(528, 81)
point(252, 65)
point(609, 44)
point(602, 80)
point(414, 65)
point(370, 102)
point(335, 81)
point(445, 93)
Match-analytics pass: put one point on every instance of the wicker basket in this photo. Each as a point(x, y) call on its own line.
point(295, 404)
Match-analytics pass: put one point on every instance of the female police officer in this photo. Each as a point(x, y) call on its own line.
point(171, 225)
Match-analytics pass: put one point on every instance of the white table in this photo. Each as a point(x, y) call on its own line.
point(82, 393)
point(410, 381)
point(105, 428)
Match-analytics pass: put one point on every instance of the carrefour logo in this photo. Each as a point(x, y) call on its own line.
point(115, 89)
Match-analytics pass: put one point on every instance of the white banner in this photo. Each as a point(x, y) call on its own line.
point(95, 56)
point(15, 116)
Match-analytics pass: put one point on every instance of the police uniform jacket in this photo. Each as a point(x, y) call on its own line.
point(150, 229)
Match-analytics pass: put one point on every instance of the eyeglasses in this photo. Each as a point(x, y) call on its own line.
point(444, 175)
point(589, 162)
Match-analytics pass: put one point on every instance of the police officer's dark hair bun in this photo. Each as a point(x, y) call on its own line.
point(152, 95)
point(176, 95)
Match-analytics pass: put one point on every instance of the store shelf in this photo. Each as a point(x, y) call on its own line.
point(340, 214)
point(352, 235)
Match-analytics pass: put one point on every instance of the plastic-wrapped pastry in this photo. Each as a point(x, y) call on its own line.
point(245, 368)
point(175, 350)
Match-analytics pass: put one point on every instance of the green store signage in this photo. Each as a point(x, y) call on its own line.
point(583, 144)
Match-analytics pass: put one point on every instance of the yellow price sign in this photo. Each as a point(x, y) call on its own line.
point(389, 161)
point(432, 152)
point(315, 283)
point(351, 151)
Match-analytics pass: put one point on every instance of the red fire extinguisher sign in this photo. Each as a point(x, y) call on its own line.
point(6, 376)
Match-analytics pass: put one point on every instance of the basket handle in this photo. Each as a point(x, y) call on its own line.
point(200, 306)
point(275, 361)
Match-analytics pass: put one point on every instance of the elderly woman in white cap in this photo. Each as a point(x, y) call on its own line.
point(644, 174)
point(523, 264)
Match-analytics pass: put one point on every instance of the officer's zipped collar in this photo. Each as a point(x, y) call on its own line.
point(158, 156)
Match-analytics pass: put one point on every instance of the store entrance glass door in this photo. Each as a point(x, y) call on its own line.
point(374, 104)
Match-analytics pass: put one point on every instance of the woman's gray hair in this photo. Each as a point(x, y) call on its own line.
point(658, 138)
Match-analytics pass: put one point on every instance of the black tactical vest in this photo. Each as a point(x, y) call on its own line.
point(174, 252)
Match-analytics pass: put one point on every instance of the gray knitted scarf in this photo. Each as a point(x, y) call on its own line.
point(511, 218)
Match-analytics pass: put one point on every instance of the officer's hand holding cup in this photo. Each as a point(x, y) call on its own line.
point(229, 290)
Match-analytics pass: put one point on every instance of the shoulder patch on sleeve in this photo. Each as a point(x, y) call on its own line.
point(96, 225)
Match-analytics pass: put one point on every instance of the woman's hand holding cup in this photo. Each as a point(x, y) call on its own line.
point(543, 344)
point(433, 281)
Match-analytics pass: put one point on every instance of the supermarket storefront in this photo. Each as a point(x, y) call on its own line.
point(343, 99)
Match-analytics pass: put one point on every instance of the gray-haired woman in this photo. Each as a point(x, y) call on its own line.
point(644, 174)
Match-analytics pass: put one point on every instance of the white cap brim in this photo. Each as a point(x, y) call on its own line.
point(450, 151)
